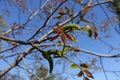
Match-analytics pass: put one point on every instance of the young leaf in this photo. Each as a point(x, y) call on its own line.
point(74, 66)
point(71, 27)
point(86, 78)
point(60, 31)
point(86, 27)
point(95, 33)
point(56, 30)
point(49, 58)
point(90, 33)
point(63, 38)
point(59, 27)
point(70, 37)
point(84, 65)
point(89, 74)
point(66, 50)
point(80, 74)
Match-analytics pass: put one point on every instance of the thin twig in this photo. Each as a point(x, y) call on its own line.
point(103, 68)
point(29, 19)
point(47, 20)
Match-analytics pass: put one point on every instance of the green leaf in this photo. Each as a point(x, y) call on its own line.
point(50, 61)
point(66, 50)
point(86, 27)
point(71, 27)
point(74, 66)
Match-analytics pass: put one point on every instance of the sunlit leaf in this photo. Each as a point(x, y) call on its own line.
point(89, 74)
point(80, 74)
point(86, 27)
point(71, 27)
point(74, 66)
point(66, 50)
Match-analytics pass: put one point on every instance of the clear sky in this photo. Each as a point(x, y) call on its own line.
point(85, 42)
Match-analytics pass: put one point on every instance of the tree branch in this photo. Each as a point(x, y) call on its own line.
point(27, 51)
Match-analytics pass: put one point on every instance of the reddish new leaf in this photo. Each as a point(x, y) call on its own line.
point(56, 30)
point(86, 78)
point(59, 30)
point(95, 33)
point(84, 65)
point(63, 38)
point(89, 74)
point(59, 27)
point(70, 37)
point(62, 34)
point(80, 74)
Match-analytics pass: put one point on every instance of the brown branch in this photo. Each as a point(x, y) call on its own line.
point(17, 41)
point(13, 40)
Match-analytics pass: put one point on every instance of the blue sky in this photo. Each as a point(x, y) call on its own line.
point(83, 40)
